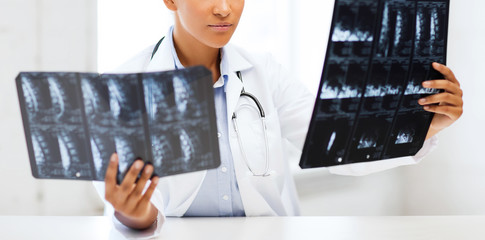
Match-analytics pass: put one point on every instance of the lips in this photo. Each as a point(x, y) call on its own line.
point(220, 27)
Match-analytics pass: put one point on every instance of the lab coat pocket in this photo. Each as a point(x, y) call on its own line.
point(253, 141)
point(260, 144)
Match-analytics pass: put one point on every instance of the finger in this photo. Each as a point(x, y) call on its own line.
point(443, 98)
point(131, 176)
point(110, 176)
point(136, 194)
point(446, 71)
point(452, 112)
point(446, 85)
point(145, 200)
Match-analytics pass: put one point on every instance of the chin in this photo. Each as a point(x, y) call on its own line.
point(218, 40)
point(218, 44)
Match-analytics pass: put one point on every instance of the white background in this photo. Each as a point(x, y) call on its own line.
point(44, 35)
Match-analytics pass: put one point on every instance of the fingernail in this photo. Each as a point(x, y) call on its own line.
point(148, 170)
point(426, 84)
point(138, 164)
point(422, 100)
point(155, 181)
point(426, 107)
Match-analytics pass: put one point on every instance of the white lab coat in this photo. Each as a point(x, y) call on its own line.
point(288, 106)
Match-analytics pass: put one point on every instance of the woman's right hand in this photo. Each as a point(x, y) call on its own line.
point(132, 207)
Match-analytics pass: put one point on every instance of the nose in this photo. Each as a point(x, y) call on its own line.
point(222, 8)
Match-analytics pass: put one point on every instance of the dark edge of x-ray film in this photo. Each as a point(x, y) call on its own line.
point(379, 53)
point(54, 127)
point(74, 122)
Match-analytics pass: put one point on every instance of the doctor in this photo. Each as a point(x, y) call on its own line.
point(254, 178)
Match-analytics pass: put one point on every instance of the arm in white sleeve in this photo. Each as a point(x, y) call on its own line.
point(360, 169)
point(294, 104)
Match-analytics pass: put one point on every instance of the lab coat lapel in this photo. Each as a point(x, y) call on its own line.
point(163, 59)
point(235, 62)
point(233, 90)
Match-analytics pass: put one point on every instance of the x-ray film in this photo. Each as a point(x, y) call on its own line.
point(74, 121)
point(379, 53)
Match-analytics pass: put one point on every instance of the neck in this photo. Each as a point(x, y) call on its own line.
point(192, 52)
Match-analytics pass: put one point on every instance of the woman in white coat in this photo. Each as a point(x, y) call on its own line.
point(200, 36)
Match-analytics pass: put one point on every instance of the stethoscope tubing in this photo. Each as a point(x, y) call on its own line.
point(262, 116)
point(265, 173)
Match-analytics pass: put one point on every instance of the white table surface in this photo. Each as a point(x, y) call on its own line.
point(361, 228)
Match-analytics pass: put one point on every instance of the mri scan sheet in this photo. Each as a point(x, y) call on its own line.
point(378, 55)
point(74, 121)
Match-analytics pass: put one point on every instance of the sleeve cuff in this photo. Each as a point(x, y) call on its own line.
point(428, 146)
point(120, 231)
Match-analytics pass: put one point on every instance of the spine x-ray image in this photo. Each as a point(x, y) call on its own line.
point(379, 53)
point(74, 122)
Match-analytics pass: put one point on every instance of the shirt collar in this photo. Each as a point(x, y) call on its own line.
point(176, 60)
point(224, 71)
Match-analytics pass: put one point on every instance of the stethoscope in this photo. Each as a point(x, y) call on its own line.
point(262, 117)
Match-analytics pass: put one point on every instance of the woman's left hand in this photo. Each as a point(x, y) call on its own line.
point(448, 105)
